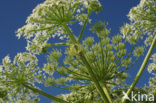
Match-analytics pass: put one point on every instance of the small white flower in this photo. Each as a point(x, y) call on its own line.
point(81, 23)
point(153, 57)
point(151, 67)
point(61, 37)
point(78, 11)
point(86, 4)
point(1, 68)
point(7, 60)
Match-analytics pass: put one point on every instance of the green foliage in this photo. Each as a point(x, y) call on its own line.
point(93, 71)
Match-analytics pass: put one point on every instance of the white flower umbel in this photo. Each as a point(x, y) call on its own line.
point(142, 22)
point(152, 66)
point(47, 19)
point(22, 70)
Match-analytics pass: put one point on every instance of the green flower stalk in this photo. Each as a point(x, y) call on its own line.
point(13, 74)
point(90, 64)
point(142, 22)
point(44, 94)
point(141, 68)
point(91, 73)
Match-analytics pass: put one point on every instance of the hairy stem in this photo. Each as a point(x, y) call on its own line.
point(141, 68)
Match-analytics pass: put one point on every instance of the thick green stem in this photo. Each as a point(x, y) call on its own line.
point(71, 36)
point(56, 44)
point(45, 94)
point(91, 73)
point(141, 68)
point(105, 89)
point(81, 33)
point(95, 80)
point(102, 55)
point(59, 44)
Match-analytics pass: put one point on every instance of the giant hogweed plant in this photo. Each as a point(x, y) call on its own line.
point(93, 71)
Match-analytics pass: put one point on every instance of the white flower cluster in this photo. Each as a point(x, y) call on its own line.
point(138, 51)
point(85, 94)
point(47, 20)
point(152, 69)
point(142, 22)
point(152, 66)
point(22, 70)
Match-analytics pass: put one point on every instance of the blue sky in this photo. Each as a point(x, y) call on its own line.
point(13, 14)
